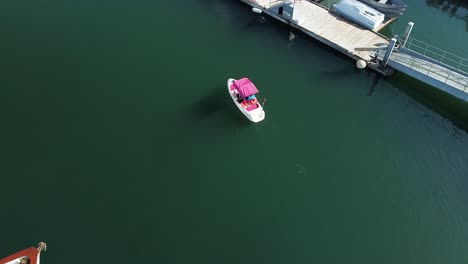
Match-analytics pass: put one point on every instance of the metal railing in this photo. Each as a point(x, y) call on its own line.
point(431, 68)
point(437, 54)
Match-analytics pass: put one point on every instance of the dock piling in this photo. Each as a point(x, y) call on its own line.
point(407, 33)
point(389, 51)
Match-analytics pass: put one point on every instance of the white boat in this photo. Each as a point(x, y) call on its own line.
point(360, 13)
point(242, 93)
point(30, 255)
point(390, 8)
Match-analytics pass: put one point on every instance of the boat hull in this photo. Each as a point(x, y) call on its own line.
point(255, 115)
point(391, 9)
point(359, 13)
point(32, 254)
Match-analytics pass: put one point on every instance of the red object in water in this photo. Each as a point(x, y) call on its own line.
point(32, 254)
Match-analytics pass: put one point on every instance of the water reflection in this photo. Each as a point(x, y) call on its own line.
point(454, 8)
point(447, 106)
point(343, 72)
point(375, 82)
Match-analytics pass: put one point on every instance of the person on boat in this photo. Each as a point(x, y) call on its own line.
point(41, 246)
point(251, 99)
point(24, 260)
point(236, 94)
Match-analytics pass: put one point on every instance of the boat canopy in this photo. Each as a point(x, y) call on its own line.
point(245, 87)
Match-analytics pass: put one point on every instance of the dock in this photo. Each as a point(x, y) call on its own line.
point(330, 28)
point(369, 48)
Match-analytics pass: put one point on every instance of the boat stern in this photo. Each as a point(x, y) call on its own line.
point(257, 115)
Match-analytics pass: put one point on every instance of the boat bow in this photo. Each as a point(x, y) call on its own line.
point(27, 256)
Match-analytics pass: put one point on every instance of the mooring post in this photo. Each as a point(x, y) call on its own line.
point(292, 12)
point(407, 33)
point(389, 51)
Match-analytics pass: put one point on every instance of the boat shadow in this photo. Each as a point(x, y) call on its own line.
point(216, 109)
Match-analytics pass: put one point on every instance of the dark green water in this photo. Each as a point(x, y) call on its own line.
point(119, 143)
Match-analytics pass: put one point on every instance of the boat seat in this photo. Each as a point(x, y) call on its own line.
point(252, 107)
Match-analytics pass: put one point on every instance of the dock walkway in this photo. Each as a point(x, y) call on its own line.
point(450, 80)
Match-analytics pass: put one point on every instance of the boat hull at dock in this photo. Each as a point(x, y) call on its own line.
point(390, 8)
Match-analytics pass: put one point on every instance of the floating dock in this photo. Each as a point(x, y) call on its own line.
point(330, 28)
point(370, 48)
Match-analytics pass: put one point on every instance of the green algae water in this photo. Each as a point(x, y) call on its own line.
point(119, 143)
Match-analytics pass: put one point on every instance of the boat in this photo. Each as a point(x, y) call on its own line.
point(390, 8)
point(29, 255)
point(242, 93)
point(359, 13)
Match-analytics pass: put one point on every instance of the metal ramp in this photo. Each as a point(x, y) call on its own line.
point(430, 65)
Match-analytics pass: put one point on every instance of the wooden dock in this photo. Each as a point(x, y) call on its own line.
point(330, 28)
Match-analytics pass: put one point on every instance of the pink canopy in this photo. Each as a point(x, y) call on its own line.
point(245, 87)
